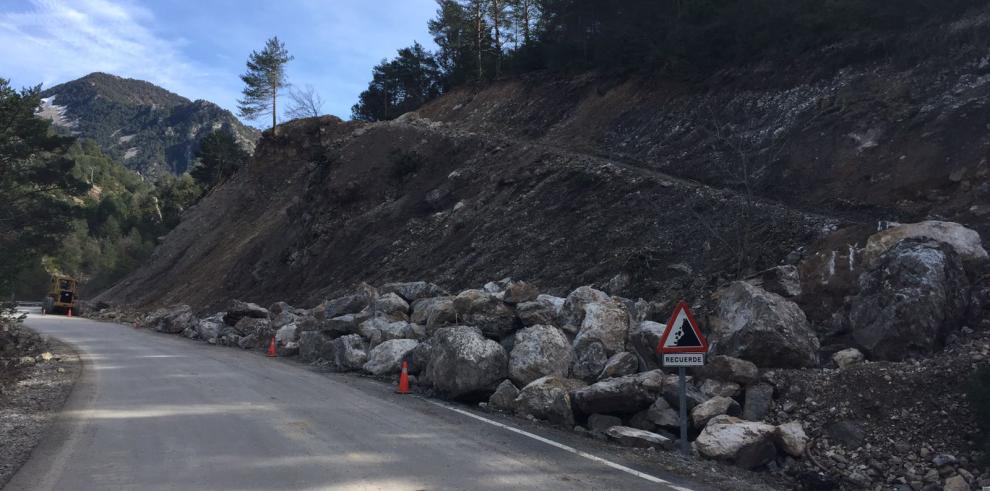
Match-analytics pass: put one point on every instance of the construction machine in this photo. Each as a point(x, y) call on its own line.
point(62, 296)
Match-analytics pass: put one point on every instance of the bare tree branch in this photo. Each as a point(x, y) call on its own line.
point(304, 103)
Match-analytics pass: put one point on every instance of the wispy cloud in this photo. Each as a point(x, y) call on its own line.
point(52, 41)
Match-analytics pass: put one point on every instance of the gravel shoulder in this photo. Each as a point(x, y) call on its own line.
point(30, 400)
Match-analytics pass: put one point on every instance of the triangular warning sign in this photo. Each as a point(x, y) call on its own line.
point(682, 334)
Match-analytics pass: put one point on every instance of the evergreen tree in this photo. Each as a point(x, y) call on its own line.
point(398, 86)
point(263, 81)
point(37, 183)
point(219, 156)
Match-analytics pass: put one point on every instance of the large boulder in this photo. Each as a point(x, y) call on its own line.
point(349, 304)
point(347, 353)
point(661, 413)
point(718, 405)
point(387, 357)
point(464, 364)
point(342, 324)
point(759, 399)
point(620, 395)
point(791, 438)
point(606, 323)
point(672, 394)
point(486, 312)
point(910, 300)
point(413, 290)
point(965, 242)
point(730, 369)
point(642, 341)
point(538, 351)
point(287, 334)
point(746, 443)
point(434, 312)
point(237, 310)
point(589, 361)
point(261, 328)
point(210, 327)
point(379, 329)
point(572, 311)
point(762, 327)
point(620, 364)
point(548, 398)
point(313, 346)
point(782, 280)
point(392, 306)
point(419, 357)
point(172, 319)
point(538, 312)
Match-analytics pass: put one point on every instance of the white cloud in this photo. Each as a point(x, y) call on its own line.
point(53, 41)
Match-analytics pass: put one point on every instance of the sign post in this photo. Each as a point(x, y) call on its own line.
point(682, 345)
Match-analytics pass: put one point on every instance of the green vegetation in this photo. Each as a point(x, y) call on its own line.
point(979, 400)
point(400, 85)
point(219, 157)
point(263, 81)
point(38, 186)
point(482, 40)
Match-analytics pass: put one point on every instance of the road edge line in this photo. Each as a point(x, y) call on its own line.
point(564, 447)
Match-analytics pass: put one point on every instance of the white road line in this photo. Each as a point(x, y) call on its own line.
point(567, 448)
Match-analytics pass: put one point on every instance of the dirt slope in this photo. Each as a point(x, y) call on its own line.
point(565, 181)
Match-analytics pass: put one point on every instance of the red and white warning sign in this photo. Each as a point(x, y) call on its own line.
point(682, 343)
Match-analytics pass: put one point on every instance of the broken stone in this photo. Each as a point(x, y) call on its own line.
point(632, 437)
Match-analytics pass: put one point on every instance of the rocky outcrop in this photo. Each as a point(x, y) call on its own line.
point(910, 300)
point(538, 351)
point(762, 327)
point(464, 364)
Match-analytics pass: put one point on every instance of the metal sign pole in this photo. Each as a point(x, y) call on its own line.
point(683, 409)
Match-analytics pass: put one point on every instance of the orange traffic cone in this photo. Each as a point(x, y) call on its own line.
point(69, 314)
point(271, 349)
point(403, 379)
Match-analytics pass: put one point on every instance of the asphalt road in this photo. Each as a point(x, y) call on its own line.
point(153, 411)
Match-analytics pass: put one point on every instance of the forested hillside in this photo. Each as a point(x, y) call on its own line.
point(146, 128)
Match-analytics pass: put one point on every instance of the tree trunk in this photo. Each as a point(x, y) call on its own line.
point(498, 40)
point(477, 30)
point(274, 112)
point(525, 22)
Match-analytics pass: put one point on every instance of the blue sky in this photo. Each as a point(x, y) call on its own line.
point(197, 48)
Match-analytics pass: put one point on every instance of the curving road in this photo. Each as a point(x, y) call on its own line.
point(155, 412)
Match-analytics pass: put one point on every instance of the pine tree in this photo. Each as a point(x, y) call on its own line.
point(219, 156)
point(264, 79)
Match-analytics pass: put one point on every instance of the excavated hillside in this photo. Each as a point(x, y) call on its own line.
point(645, 187)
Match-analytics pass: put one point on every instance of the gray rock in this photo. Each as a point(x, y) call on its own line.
point(413, 291)
point(716, 406)
point(548, 398)
point(282, 319)
point(392, 306)
point(209, 328)
point(504, 397)
point(643, 339)
point(762, 327)
point(278, 308)
point(620, 364)
point(661, 413)
point(759, 398)
point(964, 242)
point(620, 395)
point(746, 443)
point(248, 342)
point(486, 312)
point(538, 351)
point(519, 292)
point(606, 323)
point(173, 319)
point(910, 301)
point(348, 353)
point(379, 329)
point(536, 313)
point(956, 483)
point(731, 369)
point(387, 357)
point(849, 434)
point(791, 438)
point(350, 304)
point(237, 310)
point(464, 363)
point(642, 421)
point(287, 334)
point(671, 393)
point(253, 325)
point(313, 345)
point(434, 312)
point(342, 325)
point(847, 358)
point(711, 388)
point(420, 357)
point(602, 422)
point(632, 437)
point(589, 361)
point(191, 333)
point(572, 311)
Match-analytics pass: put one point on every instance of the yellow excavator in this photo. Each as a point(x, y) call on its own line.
point(62, 296)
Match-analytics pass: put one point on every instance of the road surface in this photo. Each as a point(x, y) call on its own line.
point(153, 411)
